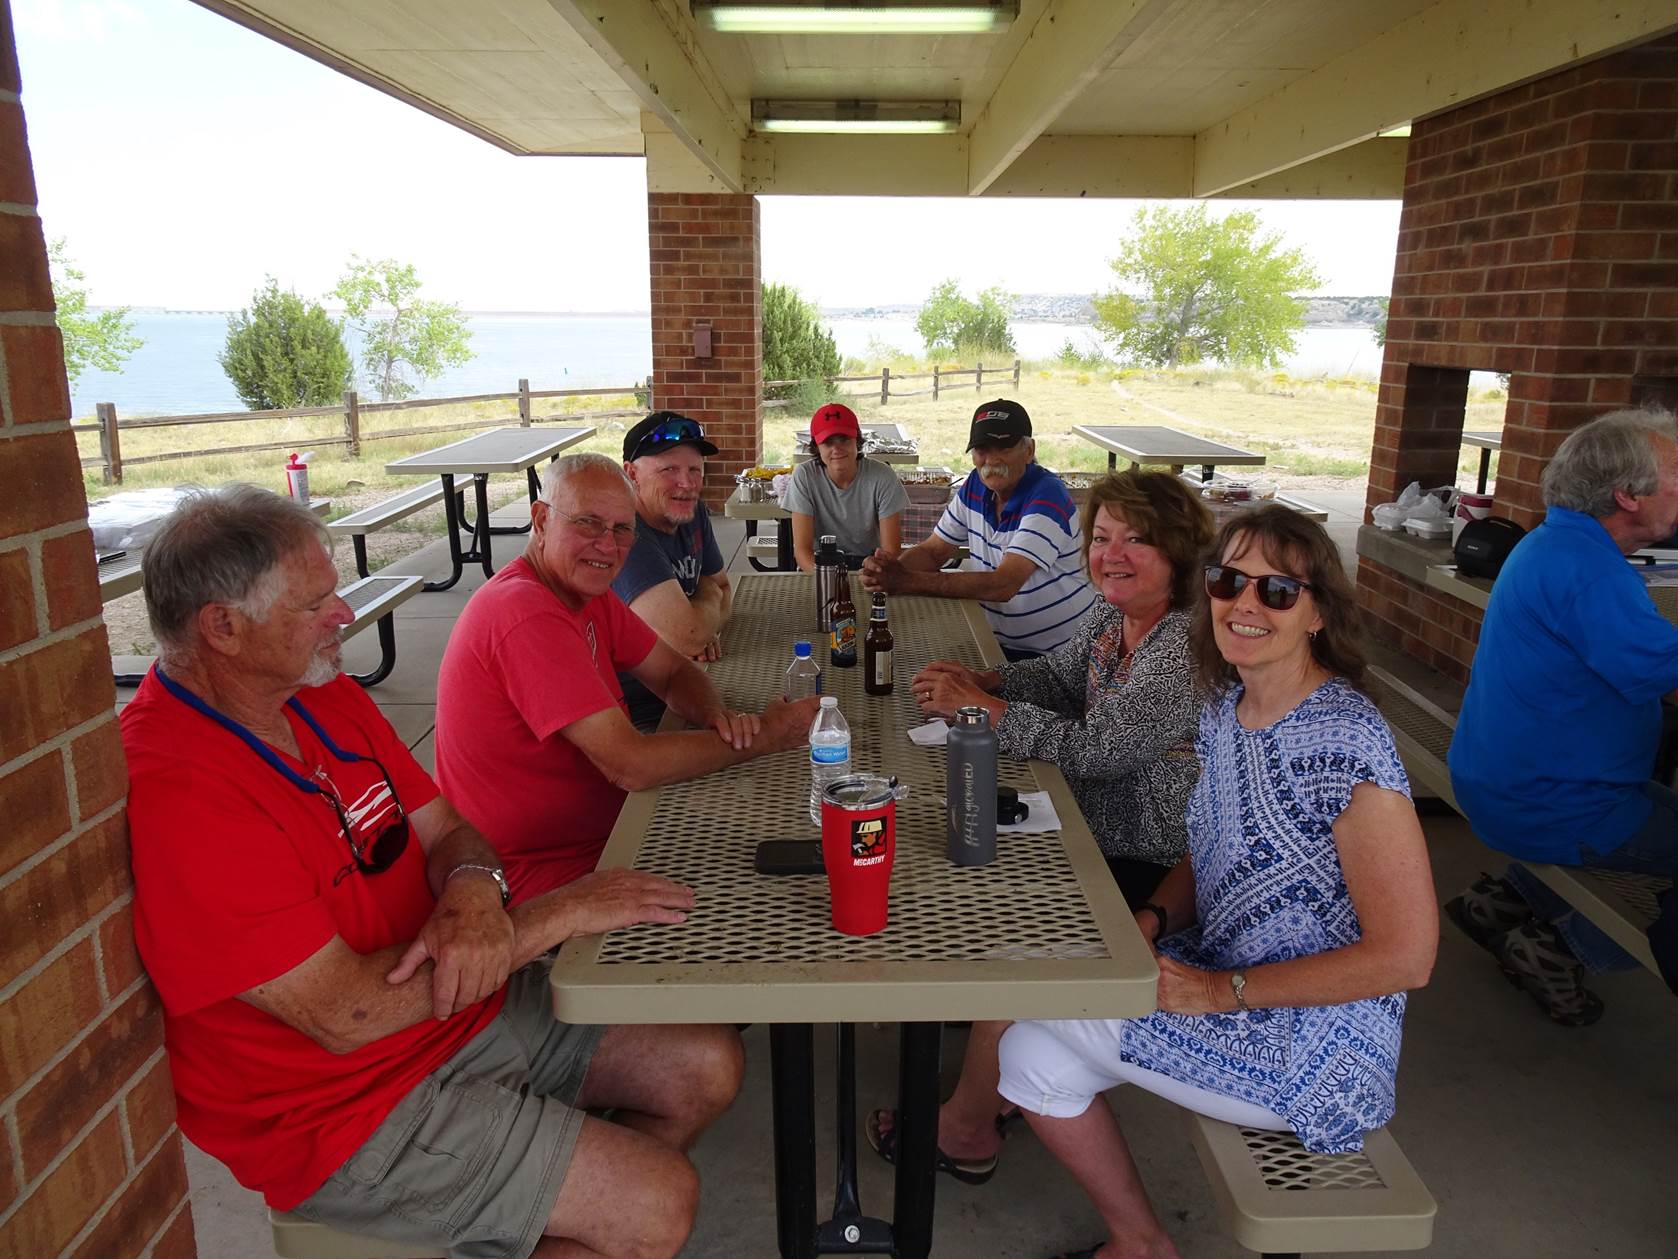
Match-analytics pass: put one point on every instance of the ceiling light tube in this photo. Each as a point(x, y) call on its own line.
point(869, 17)
point(857, 117)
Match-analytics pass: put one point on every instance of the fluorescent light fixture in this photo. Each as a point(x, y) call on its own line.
point(857, 117)
point(855, 17)
point(1394, 133)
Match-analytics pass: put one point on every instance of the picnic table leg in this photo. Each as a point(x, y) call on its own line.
point(792, 1073)
point(387, 652)
point(535, 481)
point(451, 521)
point(1485, 467)
point(1113, 462)
point(481, 533)
point(359, 541)
point(849, 1231)
point(917, 1139)
point(1206, 470)
point(783, 547)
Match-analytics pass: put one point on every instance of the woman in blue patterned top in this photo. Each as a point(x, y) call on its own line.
point(1304, 910)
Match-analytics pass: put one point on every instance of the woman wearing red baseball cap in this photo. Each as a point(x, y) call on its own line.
point(840, 491)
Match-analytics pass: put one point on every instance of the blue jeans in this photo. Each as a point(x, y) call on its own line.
point(1651, 850)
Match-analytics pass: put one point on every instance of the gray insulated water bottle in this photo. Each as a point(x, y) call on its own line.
point(971, 792)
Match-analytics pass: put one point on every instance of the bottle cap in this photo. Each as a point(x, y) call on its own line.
point(801, 648)
point(973, 716)
point(830, 701)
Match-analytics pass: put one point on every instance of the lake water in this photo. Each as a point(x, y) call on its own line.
point(175, 372)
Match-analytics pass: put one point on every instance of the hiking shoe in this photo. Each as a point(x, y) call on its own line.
point(1487, 911)
point(1536, 959)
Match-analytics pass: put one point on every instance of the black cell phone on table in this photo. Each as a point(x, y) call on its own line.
point(790, 856)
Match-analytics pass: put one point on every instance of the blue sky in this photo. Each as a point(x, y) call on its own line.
point(184, 158)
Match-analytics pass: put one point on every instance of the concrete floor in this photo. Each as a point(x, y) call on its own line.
point(1534, 1139)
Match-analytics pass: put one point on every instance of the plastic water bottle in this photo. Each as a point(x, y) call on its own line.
point(804, 675)
point(830, 752)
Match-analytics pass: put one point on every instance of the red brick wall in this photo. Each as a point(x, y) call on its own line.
point(706, 268)
point(90, 1159)
point(1539, 237)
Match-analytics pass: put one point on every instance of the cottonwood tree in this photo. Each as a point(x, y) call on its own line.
point(950, 323)
point(795, 344)
point(104, 340)
point(406, 340)
point(284, 352)
point(1195, 287)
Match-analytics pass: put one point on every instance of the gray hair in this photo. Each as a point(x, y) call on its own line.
point(224, 545)
point(1613, 452)
point(580, 464)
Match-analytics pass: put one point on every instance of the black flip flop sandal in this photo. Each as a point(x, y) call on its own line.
point(968, 1171)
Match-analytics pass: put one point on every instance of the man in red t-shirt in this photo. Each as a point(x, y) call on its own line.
point(350, 1020)
point(534, 743)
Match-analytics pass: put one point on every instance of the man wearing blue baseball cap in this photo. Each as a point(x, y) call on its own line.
point(673, 578)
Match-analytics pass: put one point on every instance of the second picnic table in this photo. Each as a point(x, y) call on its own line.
point(498, 450)
point(1156, 444)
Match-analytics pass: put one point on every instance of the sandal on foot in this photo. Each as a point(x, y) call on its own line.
point(1537, 960)
point(970, 1171)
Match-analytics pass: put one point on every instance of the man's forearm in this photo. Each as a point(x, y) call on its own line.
point(463, 846)
point(991, 586)
point(693, 695)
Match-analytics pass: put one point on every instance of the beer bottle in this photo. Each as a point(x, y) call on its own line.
point(876, 650)
point(841, 616)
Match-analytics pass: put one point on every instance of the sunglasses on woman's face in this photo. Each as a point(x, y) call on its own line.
point(1276, 592)
point(388, 845)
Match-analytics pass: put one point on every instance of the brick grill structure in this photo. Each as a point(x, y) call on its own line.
point(706, 268)
point(1539, 238)
point(90, 1158)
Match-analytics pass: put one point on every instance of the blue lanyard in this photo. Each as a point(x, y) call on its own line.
point(251, 741)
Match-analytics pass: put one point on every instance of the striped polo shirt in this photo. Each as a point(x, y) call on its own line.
point(1039, 522)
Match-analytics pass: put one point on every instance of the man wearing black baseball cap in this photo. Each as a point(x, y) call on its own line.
point(1022, 536)
point(673, 578)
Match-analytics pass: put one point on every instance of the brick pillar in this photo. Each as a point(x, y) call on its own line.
point(706, 269)
point(90, 1159)
point(1539, 238)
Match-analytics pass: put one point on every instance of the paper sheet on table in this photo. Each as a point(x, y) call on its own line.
point(1041, 818)
point(932, 735)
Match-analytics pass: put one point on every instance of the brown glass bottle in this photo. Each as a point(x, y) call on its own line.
point(841, 619)
point(876, 651)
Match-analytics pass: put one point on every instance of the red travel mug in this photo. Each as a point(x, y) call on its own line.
point(859, 838)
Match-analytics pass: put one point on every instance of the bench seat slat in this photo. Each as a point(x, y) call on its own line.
point(370, 519)
point(298, 1238)
point(376, 596)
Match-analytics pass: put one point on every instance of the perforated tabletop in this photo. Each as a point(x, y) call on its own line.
point(498, 450)
point(1155, 443)
point(1043, 932)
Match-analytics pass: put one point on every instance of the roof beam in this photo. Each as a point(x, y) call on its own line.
point(1072, 42)
point(1371, 171)
point(651, 46)
point(1443, 57)
point(1100, 166)
point(818, 165)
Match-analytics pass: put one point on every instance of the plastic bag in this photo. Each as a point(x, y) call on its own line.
point(1391, 516)
point(126, 521)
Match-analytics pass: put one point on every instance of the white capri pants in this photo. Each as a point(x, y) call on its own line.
point(1056, 1067)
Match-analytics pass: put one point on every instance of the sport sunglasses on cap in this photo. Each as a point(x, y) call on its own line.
point(677, 430)
point(1275, 591)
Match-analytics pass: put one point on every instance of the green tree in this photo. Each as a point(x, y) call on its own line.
point(284, 352)
point(1379, 328)
point(405, 339)
point(795, 344)
point(1192, 287)
point(104, 340)
point(950, 323)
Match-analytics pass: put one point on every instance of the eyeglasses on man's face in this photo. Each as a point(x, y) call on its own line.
point(1276, 592)
point(593, 527)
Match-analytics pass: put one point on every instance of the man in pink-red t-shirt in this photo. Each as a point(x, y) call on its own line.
point(534, 744)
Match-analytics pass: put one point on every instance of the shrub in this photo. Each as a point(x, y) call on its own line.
point(796, 346)
point(284, 352)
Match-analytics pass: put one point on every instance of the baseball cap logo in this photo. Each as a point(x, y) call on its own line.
point(993, 415)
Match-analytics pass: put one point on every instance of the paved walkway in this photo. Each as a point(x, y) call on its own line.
point(1535, 1139)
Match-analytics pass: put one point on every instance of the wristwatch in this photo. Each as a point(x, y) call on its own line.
point(494, 872)
point(1238, 982)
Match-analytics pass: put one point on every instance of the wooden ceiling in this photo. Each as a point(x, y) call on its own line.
point(1115, 98)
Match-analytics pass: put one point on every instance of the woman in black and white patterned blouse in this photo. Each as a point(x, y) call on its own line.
point(1115, 709)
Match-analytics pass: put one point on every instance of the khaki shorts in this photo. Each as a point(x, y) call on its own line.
point(472, 1158)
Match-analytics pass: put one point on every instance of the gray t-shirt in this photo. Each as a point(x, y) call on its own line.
point(852, 514)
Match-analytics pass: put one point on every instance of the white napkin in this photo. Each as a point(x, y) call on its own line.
point(932, 735)
point(1042, 815)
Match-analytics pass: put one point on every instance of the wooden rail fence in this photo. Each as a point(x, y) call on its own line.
point(111, 428)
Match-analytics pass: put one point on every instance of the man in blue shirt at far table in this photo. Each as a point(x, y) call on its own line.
point(1562, 717)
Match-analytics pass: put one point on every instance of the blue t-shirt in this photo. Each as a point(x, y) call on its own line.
point(684, 555)
point(1039, 522)
point(1562, 717)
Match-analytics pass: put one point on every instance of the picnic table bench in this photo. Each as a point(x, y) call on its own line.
point(358, 524)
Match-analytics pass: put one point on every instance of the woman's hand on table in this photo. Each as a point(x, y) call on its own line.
point(944, 686)
point(736, 729)
point(1189, 989)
